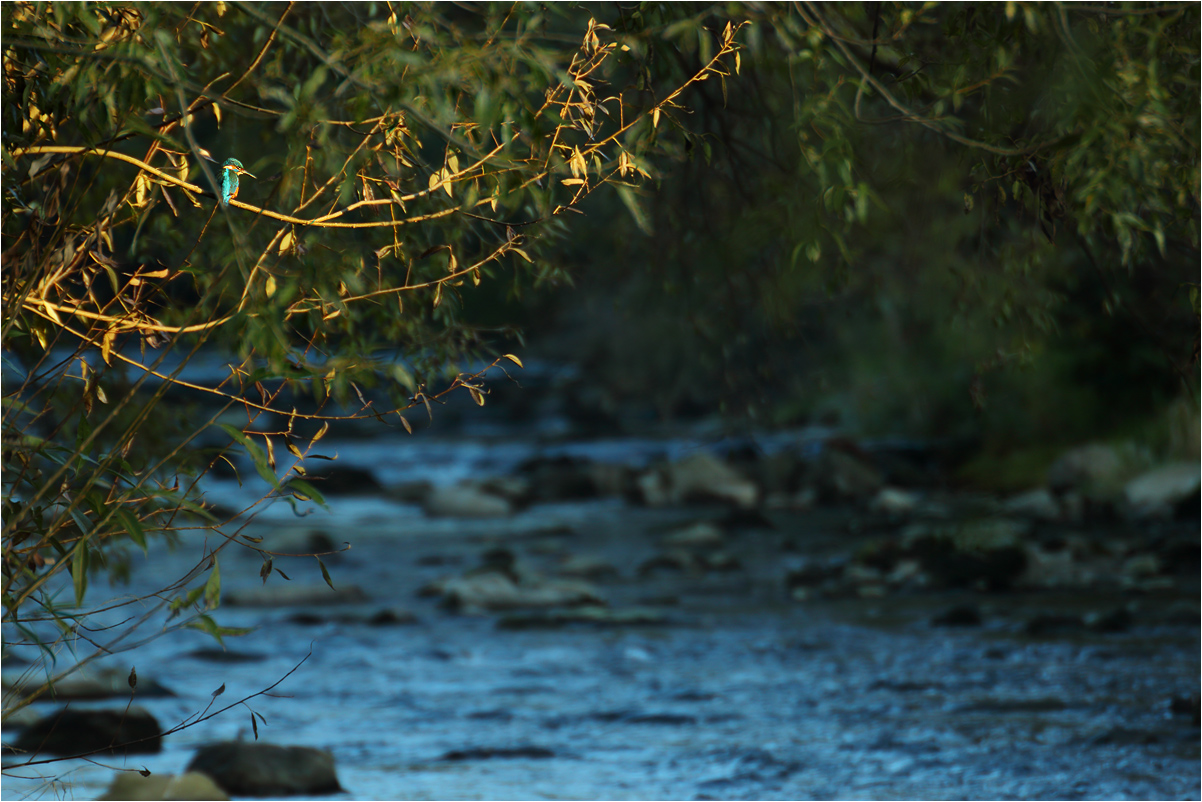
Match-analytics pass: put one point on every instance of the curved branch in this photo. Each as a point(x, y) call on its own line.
point(318, 222)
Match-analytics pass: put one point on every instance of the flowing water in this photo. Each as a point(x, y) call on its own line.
point(737, 692)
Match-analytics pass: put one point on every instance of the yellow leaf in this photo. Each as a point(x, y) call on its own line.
point(437, 295)
point(738, 62)
point(286, 241)
point(476, 277)
point(453, 163)
point(435, 178)
point(452, 265)
point(477, 396)
point(269, 287)
point(106, 346)
point(332, 315)
point(325, 427)
point(571, 182)
point(514, 360)
point(221, 8)
point(655, 118)
point(523, 254)
point(217, 113)
point(141, 186)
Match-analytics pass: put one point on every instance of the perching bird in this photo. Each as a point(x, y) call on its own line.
point(229, 179)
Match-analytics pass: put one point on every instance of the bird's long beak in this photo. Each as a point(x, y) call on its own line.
point(247, 172)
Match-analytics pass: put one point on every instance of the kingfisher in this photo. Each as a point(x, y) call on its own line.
point(229, 179)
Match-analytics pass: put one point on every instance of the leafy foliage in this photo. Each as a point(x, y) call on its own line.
point(901, 204)
point(404, 158)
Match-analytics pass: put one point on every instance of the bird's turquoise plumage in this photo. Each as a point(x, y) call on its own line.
point(229, 179)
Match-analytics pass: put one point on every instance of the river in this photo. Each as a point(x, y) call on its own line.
point(728, 689)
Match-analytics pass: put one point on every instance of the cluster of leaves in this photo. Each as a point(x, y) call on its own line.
point(404, 158)
point(936, 190)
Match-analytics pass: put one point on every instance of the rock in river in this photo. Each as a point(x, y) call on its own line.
point(1039, 504)
point(75, 732)
point(702, 534)
point(704, 477)
point(91, 683)
point(1096, 469)
point(464, 501)
point(587, 566)
point(1162, 492)
point(131, 785)
point(259, 769)
point(492, 590)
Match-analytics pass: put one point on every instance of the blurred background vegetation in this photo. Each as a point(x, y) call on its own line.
point(967, 221)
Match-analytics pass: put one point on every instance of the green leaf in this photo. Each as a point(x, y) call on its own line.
point(306, 492)
point(213, 586)
point(206, 624)
point(134, 527)
point(324, 573)
point(257, 454)
point(79, 569)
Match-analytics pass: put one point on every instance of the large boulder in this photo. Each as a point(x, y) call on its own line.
point(465, 501)
point(77, 732)
point(1165, 491)
point(131, 785)
point(257, 769)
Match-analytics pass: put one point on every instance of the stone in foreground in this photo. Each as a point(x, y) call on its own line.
point(134, 787)
point(257, 769)
point(78, 732)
